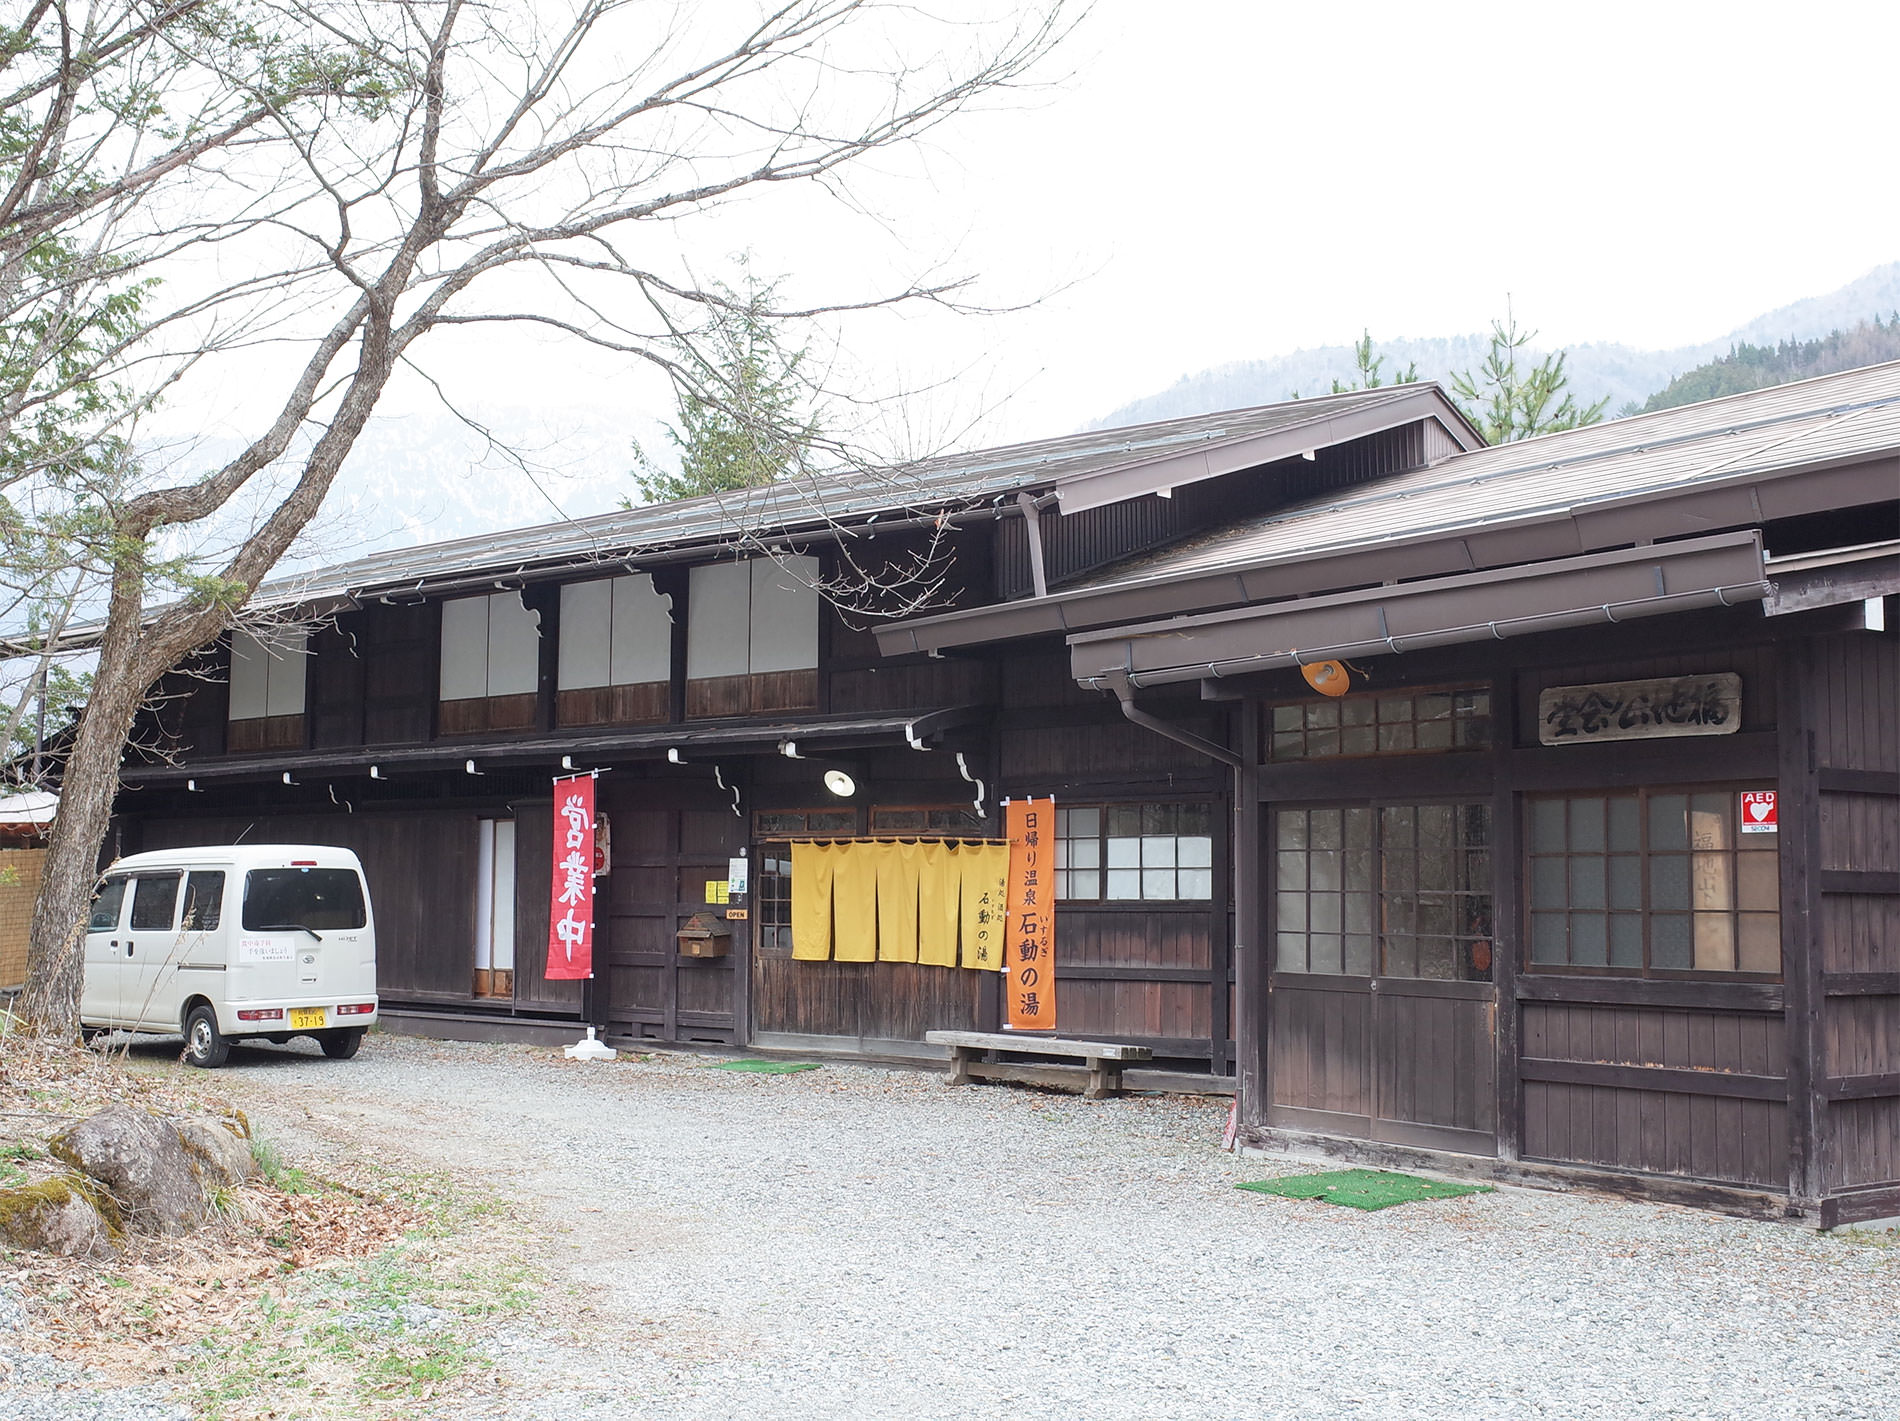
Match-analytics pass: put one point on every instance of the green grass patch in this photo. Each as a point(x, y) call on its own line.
point(1363, 1188)
point(372, 1339)
point(768, 1068)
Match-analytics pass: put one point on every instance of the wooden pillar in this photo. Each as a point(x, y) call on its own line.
point(1250, 944)
point(1507, 914)
point(1801, 947)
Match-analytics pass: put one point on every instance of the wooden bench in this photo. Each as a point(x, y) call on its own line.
point(1105, 1059)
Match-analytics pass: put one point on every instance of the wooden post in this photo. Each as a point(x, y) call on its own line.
point(1801, 948)
point(1253, 1083)
point(1507, 914)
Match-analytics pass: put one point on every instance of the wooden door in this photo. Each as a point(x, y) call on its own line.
point(669, 842)
point(1382, 1017)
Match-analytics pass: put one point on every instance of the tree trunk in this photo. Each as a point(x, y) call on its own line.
point(56, 958)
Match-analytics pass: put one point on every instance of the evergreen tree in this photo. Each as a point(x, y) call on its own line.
point(743, 417)
point(1507, 403)
point(1370, 366)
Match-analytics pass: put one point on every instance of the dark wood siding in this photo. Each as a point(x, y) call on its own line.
point(1855, 716)
point(421, 872)
point(401, 648)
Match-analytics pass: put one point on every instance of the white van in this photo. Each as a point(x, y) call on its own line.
point(269, 940)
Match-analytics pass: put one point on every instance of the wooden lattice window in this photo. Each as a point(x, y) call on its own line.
point(1390, 723)
point(1397, 890)
point(1652, 882)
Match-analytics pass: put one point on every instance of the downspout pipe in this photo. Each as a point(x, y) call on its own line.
point(1135, 715)
point(1032, 516)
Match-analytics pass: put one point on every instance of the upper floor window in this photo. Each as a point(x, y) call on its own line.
point(1391, 723)
point(1653, 881)
point(267, 688)
point(752, 636)
point(491, 660)
point(616, 660)
point(1133, 852)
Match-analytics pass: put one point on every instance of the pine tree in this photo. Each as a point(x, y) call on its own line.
point(1507, 403)
point(743, 416)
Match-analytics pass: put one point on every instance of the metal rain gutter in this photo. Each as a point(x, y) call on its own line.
point(1722, 570)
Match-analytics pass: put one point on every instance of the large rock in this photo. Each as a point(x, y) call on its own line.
point(66, 1216)
point(161, 1173)
point(220, 1148)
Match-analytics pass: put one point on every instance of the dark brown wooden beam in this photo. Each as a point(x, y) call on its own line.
point(1677, 1081)
point(1839, 781)
point(1851, 880)
point(1887, 1083)
point(1861, 984)
point(1649, 992)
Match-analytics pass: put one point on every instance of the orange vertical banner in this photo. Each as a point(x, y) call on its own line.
point(1029, 983)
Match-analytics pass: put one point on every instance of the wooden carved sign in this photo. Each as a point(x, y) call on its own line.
point(1640, 710)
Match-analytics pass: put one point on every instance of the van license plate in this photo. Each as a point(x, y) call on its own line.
point(304, 1018)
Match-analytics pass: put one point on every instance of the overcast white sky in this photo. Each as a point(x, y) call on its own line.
point(1218, 180)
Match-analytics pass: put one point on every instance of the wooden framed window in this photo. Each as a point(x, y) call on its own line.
point(616, 655)
point(772, 880)
point(960, 821)
point(752, 637)
point(1389, 723)
point(267, 689)
point(1393, 890)
point(490, 665)
point(1652, 882)
point(1130, 853)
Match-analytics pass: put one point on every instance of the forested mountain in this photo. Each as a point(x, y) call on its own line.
point(1626, 375)
point(1755, 367)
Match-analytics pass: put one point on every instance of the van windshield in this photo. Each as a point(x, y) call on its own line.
point(319, 899)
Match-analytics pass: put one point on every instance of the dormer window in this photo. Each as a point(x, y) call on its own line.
point(752, 637)
point(267, 689)
point(616, 664)
point(491, 662)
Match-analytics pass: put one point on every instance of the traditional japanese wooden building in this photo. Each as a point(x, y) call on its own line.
point(714, 658)
point(1587, 864)
point(1500, 906)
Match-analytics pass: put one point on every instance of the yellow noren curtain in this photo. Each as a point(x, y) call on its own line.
point(985, 873)
point(939, 890)
point(812, 866)
point(897, 867)
point(854, 902)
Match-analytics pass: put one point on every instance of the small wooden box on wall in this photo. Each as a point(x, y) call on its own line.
point(705, 936)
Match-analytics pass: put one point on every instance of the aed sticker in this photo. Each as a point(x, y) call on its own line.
point(265, 949)
point(1759, 812)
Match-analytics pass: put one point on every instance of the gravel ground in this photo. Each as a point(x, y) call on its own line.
point(861, 1243)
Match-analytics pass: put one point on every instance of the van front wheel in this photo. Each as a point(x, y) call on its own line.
point(340, 1045)
point(205, 1046)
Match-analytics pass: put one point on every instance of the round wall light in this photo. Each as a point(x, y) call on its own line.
point(840, 784)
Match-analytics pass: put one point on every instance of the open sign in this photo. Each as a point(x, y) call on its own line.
point(1759, 811)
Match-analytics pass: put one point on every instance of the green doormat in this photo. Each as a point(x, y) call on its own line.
point(1363, 1188)
point(769, 1068)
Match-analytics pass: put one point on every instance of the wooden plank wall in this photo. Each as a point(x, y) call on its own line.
point(1683, 1078)
point(1153, 974)
point(1855, 689)
point(421, 872)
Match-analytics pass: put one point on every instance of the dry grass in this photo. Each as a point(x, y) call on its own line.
point(307, 1297)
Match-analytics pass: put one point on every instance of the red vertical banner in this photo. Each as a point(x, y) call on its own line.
point(571, 904)
point(1029, 982)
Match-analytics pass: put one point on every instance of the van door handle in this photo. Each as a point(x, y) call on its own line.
point(129, 946)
